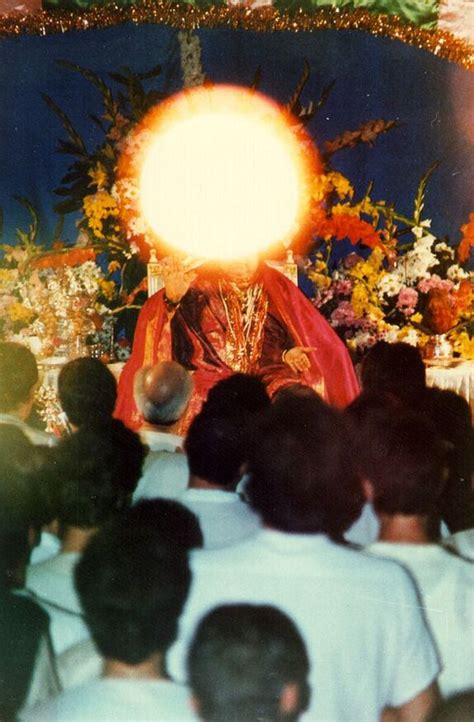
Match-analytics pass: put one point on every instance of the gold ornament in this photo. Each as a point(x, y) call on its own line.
point(265, 19)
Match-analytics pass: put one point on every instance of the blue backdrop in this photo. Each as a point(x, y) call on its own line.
point(375, 78)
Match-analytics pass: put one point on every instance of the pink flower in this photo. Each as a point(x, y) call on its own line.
point(343, 315)
point(343, 288)
point(407, 300)
point(434, 281)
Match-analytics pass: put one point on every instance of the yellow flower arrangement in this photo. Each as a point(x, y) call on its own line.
point(98, 176)
point(18, 312)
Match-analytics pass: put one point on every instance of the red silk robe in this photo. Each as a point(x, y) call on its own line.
point(195, 336)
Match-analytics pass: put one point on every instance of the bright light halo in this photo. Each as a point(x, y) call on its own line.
point(223, 175)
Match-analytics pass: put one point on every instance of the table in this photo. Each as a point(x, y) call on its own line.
point(458, 376)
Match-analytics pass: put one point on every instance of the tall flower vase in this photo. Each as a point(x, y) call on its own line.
point(438, 348)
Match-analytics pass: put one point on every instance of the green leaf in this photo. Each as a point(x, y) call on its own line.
point(69, 206)
point(33, 230)
point(150, 73)
point(420, 194)
point(75, 139)
point(58, 231)
point(1, 222)
point(95, 80)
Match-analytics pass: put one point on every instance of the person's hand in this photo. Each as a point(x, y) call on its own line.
point(176, 278)
point(297, 358)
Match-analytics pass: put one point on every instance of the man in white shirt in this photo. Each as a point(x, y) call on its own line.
point(162, 393)
point(216, 448)
point(368, 644)
point(132, 601)
point(18, 383)
point(93, 472)
point(404, 470)
point(248, 662)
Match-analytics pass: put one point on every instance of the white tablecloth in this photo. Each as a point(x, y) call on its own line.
point(458, 378)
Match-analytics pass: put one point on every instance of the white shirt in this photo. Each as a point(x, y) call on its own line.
point(36, 436)
point(165, 476)
point(446, 585)
point(52, 583)
point(365, 635)
point(160, 440)
point(112, 699)
point(223, 517)
point(462, 542)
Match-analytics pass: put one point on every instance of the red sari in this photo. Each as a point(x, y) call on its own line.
point(196, 337)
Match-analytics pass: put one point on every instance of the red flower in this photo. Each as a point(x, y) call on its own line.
point(441, 313)
point(72, 257)
point(346, 225)
point(467, 240)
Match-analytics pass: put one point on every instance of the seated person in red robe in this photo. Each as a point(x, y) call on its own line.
point(243, 316)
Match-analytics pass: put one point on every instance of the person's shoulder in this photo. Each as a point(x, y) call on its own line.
point(19, 609)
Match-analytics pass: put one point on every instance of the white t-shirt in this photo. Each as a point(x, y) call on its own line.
point(446, 585)
point(160, 440)
point(223, 517)
point(462, 542)
point(360, 617)
point(165, 476)
point(52, 584)
point(112, 699)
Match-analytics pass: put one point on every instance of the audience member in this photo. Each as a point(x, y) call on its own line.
point(458, 708)
point(26, 668)
point(398, 369)
point(176, 527)
point(87, 392)
point(132, 589)
point(402, 461)
point(162, 393)
point(394, 368)
point(18, 383)
point(217, 451)
point(462, 543)
point(248, 663)
point(95, 471)
point(355, 612)
point(238, 392)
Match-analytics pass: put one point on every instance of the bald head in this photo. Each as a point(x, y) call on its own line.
point(162, 392)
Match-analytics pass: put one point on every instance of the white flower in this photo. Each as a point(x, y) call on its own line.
point(455, 273)
point(412, 337)
point(391, 284)
point(391, 333)
point(443, 247)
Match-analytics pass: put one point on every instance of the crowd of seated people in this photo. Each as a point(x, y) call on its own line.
point(284, 560)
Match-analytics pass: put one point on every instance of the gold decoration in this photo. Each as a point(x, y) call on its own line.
point(264, 19)
point(246, 311)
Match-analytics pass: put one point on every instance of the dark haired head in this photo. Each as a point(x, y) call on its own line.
point(87, 391)
point(96, 471)
point(404, 459)
point(132, 588)
point(172, 522)
point(217, 448)
point(302, 476)
point(18, 375)
point(240, 661)
point(238, 392)
point(23, 504)
point(395, 368)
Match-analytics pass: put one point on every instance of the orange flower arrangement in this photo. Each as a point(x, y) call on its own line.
point(467, 240)
point(346, 225)
point(67, 257)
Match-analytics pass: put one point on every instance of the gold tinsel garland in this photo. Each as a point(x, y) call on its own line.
point(266, 19)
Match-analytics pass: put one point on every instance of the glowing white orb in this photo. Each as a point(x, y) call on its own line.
point(223, 175)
